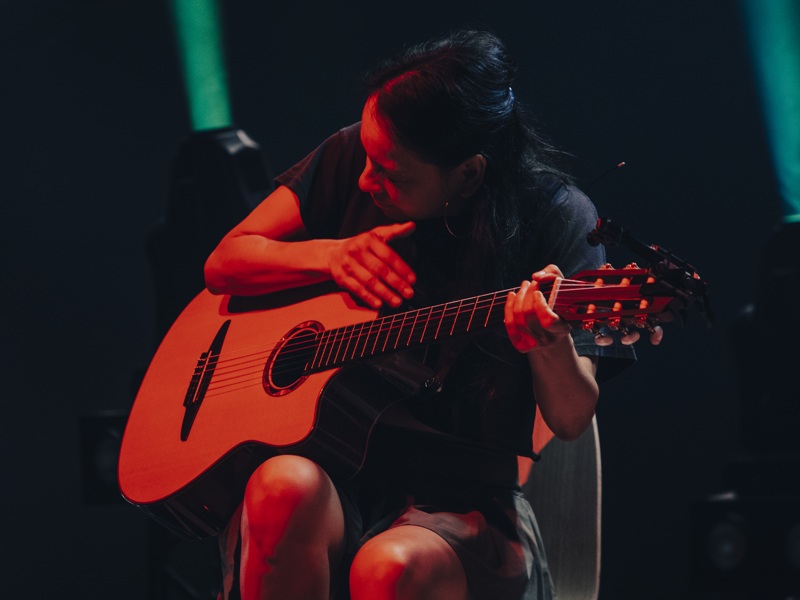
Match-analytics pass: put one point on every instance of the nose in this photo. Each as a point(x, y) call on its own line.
point(367, 181)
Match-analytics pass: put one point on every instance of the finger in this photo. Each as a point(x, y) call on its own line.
point(516, 325)
point(509, 320)
point(549, 273)
point(354, 280)
point(395, 231)
point(378, 279)
point(399, 274)
point(538, 315)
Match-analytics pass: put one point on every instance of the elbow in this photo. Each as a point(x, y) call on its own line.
point(569, 426)
point(570, 432)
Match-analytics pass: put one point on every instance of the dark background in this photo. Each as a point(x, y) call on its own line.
point(92, 111)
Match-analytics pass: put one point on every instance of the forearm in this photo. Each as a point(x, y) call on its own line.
point(251, 264)
point(565, 387)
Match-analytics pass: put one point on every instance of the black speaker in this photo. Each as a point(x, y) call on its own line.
point(218, 176)
point(100, 438)
point(746, 548)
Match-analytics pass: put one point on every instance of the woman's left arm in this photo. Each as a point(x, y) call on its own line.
point(563, 382)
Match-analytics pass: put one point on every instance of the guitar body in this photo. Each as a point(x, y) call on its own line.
point(191, 478)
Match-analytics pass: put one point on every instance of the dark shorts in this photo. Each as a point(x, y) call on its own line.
point(492, 531)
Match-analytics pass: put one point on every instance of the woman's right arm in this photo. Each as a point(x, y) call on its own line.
point(270, 250)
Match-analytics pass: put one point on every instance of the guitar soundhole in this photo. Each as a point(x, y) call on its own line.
point(287, 366)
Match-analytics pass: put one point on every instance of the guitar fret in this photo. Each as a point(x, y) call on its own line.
point(349, 334)
point(351, 339)
point(318, 342)
point(425, 328)
point(388, 333)
point(366, 338)
point(472, 313)
point(400, 331)
point(489, 312)
point(439, 310)
point(377, 336)
point(327, 350)
point(413, 325)
point(338, 340)
point(441, 320)
point(455, 320)
point(331, 346)
point(370, 335)
point(363, 337)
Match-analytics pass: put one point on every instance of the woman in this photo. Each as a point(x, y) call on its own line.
point(442, 191)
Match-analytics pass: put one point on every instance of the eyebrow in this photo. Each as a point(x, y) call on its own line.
point(384, 168)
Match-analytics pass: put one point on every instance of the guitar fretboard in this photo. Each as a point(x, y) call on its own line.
point(407, 330)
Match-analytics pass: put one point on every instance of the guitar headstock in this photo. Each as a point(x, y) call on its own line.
point(629, 298)
point(671, 276)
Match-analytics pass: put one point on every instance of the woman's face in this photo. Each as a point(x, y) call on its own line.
point(401, 185)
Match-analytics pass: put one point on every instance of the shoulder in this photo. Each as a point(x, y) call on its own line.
point(563, 208)
point(346, 140)
point(567, 198)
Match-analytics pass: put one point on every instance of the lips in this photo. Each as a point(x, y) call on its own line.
point(388, 209)
point(381, 205)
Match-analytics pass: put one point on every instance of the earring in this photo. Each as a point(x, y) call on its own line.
point(447, 225)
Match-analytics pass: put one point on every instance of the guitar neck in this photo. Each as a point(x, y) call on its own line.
point(404, 331)
point(618, 298)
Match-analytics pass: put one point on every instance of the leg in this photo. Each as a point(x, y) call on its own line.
point(407, 563)
point(292, 531)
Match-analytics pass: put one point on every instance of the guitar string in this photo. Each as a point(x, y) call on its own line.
point(338, 336)
point(444, 312)
point(230, 370)
point(252, 379)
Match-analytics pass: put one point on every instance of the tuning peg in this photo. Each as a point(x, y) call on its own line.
point(603, 339)
point(629, 336)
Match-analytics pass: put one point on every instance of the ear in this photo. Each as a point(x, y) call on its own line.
point(471, 172)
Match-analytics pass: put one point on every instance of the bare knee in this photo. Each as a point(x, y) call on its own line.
point(380, 570)
point(292, 530)
point(405, 563)
point(285, 488)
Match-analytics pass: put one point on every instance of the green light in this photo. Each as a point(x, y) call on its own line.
point(773, 27)
point(202, 58)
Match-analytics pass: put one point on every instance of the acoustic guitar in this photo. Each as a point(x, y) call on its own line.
point(310, 372)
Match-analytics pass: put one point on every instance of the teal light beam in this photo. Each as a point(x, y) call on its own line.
point(197, 29)
point(773, 29)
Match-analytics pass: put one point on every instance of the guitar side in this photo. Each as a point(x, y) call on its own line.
point(187, 470)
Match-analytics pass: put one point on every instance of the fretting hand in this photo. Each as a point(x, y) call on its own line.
point(530, 323)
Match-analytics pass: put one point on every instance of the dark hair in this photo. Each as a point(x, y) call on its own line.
point(451, 98)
